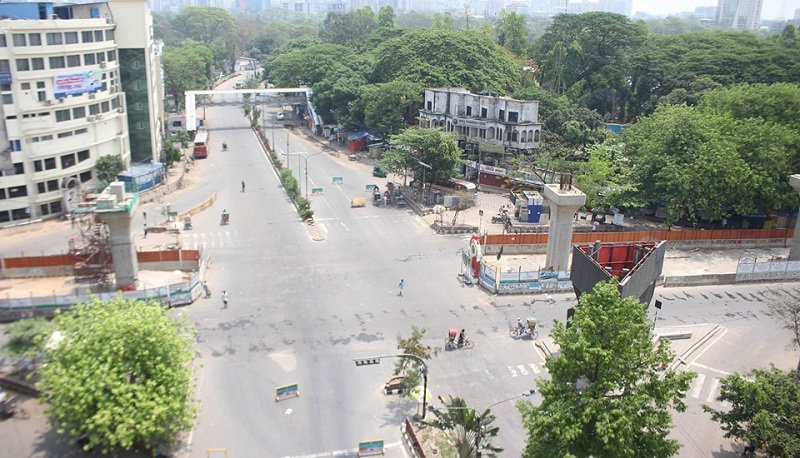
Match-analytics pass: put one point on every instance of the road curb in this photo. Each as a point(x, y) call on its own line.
point(681, 359)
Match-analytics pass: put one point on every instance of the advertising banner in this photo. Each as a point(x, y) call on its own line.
point(77, 83)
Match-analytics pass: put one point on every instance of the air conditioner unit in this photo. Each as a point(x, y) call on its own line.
point(92, 95)
point(48, 102)
point(120, 110)
point(91, 118)
point(102, 65)
point(99, 116)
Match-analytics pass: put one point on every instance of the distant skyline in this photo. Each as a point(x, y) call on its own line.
point(773, 9)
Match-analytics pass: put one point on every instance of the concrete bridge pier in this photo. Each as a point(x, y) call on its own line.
point(565, 200)
point(115, 208)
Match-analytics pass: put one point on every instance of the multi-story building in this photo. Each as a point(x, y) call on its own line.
point(740, 14)
point(494, 123)
point(76, 85)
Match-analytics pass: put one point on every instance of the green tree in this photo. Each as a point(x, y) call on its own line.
point(333, 95)
point(312, 64)
point(413, 345)
point(108, 167)
point(765, 410)
point(349, 29)
point(442, 58)
point(512, 33)
point(433, 147)
point(608, 394)
point(171, 153)
point(603, 177)
point(185, 69)
point(121, 375)
point(27, 337)
point(204, 24)
point(388, 107)
point(462, 424)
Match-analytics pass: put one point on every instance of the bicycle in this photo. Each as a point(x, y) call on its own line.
point(453, 344)
point(517, 332)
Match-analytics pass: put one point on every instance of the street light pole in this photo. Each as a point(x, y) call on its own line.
point(305, 159)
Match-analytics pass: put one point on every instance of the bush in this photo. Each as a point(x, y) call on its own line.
point(304, 208)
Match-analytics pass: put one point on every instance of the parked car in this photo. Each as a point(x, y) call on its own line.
point(394, 385)
point(377, 171)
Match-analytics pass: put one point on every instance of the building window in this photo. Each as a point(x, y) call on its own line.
point(109, 35)
point(35, 39)
point(37, 63)
point(2, 194)
point(55, 207)
point(5, 65)
point(469, 111)
point(101, 57)
point(104, 107)
point(44, 209)
point(89, 59)
point(70, 38)
point(67, 161)
point(85, 176)
point(484, 112)
point(8, 99)
point(83, 155)
point(513, 116)
point(46, 138)
point(74, 60)
point(23, 65)
point(112, 56)
point(40, 85)
point(15, 145)
point(114, 103)
point(55, 38)
point(19, 168)
point(502, 115)
point(94, 109)
point(41, 188)
point(42, 96)
point(98, 35)
point(87, 36)
point(78, 112)
point(57, 62)
point(20, 213)
point(37, 165)
point(81, 131)
point(17, 191)
point(65, 134)
point(49, 163)
point(62, 115)
point(3, 43)
point(19, 39)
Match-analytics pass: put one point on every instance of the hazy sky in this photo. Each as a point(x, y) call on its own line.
point(772, 8)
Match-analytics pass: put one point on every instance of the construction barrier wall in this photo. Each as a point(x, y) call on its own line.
point(59, 265)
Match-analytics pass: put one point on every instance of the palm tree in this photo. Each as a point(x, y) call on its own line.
point(468, 432)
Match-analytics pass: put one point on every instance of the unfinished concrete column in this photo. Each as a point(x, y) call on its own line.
point(115, 208)
point(565, 200)
point(794, 251)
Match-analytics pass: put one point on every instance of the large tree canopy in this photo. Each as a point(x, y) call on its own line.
point(388, 107)
point(121, 375)
point(608, 395)
point(441, 58)
point(310, 65)
point(432, 147)
point(765, 410)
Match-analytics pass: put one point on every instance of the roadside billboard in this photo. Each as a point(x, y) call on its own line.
point(65, 84)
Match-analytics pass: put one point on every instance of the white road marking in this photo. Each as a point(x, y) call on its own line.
point(535, 368)
point(323, 227)
point(288, 412)
point(708, 368)
point(513, 372)
point(350, 452)
point(709, 345)
point(712, 393)
point(698, 385)
point(522, 370)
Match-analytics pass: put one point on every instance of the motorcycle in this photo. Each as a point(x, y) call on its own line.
point(225, 219)
point(500, 218)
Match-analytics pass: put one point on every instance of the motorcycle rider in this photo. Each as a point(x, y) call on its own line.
point(520, 326)
point(462, 337)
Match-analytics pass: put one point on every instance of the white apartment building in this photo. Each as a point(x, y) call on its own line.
point(740, 14)
point(494, 123)
point(64, 105)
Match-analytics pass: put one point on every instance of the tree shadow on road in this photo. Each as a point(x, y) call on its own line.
point(398, 409)
point(729, 450)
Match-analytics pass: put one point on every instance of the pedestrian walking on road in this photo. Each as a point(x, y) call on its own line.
point(145, 216)
point(401, 285)
point(145, 231)
point(205, 289)
point(224, 299)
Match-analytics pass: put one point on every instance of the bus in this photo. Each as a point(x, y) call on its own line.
point(201, 145)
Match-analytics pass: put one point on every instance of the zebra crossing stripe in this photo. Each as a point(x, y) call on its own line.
point(522, 369)
point(513, 372)
point(535, 368)
point(698, 385)
point(713, 391)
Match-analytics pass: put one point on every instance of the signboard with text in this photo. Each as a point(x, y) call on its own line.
point(65, 84)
